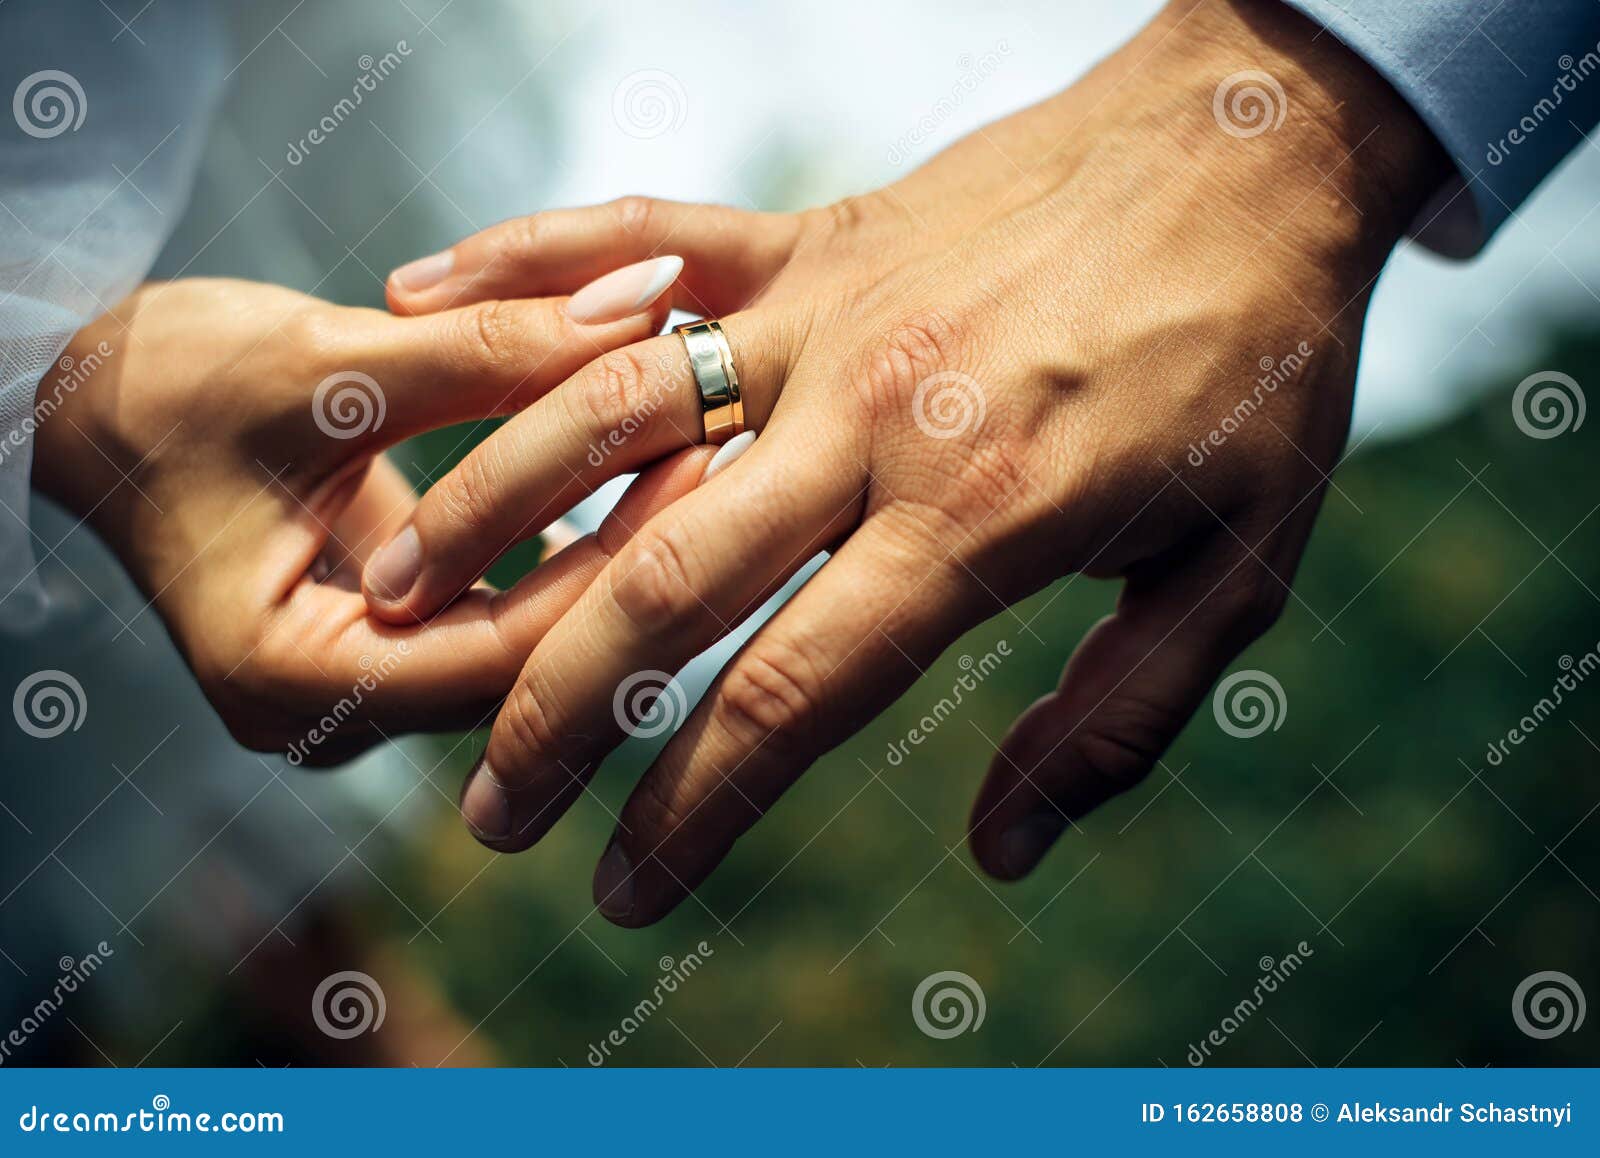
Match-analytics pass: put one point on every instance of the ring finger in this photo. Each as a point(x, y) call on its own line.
point(621, 411)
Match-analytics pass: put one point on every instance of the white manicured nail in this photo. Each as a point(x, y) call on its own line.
point(623, 292)
point(728, 454)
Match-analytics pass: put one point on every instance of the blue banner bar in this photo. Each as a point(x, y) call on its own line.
point(816, 1112)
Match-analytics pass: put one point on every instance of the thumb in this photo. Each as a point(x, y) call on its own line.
point(730, 255)
point(1128, 690)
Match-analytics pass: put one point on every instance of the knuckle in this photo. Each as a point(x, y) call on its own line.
point(491, 334)
point(656, 585)
point(467, 496)
point(529, 719)
point(1251, 602)
point(661, 808)
point(895, 365)
point(618, 387)
point(1119, 747)
point(635, 214)
point(772, 690)
point(527, 234)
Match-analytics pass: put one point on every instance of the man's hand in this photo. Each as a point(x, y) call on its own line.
point(1114, 334)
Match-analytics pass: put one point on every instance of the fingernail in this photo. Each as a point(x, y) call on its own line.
point(425, 272)
point(485, 806)
point(394, 569)
point(613, 882)
point(1025, 843)
point(623, 292)
point(728, 453)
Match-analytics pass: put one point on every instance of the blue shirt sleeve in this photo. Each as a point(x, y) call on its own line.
point(1509, 87)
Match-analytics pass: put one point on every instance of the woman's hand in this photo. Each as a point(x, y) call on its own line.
point(1114, 334)
point(225, 439)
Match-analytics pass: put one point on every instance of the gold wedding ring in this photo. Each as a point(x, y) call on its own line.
point(712, 363)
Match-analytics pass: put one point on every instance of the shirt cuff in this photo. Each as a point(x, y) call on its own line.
point(1509, 89)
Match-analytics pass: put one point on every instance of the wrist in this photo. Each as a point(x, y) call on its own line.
point(1309, 130)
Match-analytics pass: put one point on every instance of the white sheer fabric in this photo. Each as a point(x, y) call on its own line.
point(96, 161)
